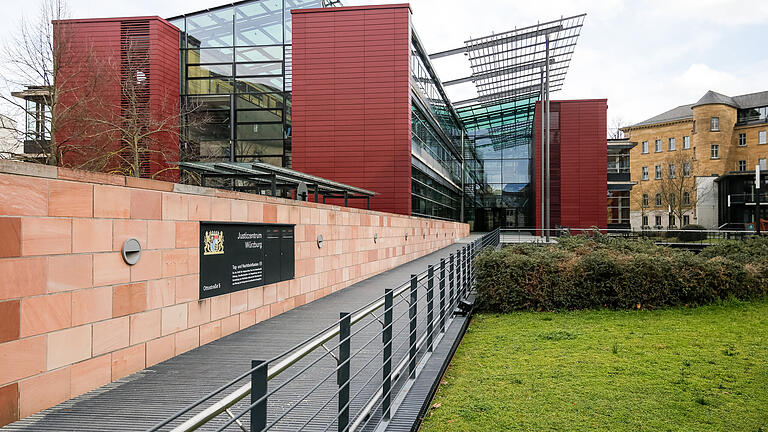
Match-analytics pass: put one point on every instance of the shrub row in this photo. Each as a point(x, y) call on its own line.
point(604, 272)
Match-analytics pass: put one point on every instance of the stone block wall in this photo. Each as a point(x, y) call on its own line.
point(74, 316)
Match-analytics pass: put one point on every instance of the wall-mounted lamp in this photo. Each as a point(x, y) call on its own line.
point(131, 251)
point(320, 241)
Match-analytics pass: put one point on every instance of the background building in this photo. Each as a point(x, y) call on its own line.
point(714, 137)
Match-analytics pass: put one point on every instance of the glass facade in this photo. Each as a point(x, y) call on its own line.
point(759, 114)
point(235, 73)
point(444, 173)
point(502, 138)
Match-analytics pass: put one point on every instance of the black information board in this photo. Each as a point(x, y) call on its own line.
point(238, 256)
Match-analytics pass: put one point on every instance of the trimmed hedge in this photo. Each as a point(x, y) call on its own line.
point(690, 233)
point(583, 272)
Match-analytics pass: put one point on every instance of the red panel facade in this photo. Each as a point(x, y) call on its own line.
point(93, 53)
point(578, 163)
point(351, 99)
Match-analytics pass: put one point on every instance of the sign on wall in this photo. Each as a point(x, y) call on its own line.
point(239, 256)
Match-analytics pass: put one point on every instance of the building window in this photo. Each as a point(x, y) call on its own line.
point(618, 207)
point(686, 198)
point(672, 171)
point(658, 221)
point(742, 140)
point(761, 137)
point(694, 126)
point(686, 169)
point(658, 200)
point(714, 124)
point(657, 146)
point(645, 173)
point(686, 142)
point(715, 151)
point(762, 164)
point(645, 146)
point(742, 165)
point(658, 172)
point(645, 200)
point(645, 221)
point(672, 144)
point(694, 153)
point(672, 220)
point(686, 220)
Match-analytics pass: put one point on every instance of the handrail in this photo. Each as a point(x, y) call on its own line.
point(296, 354)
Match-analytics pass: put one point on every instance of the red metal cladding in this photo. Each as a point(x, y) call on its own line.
point(99, 56)
point(351, 99)
point(578, 163)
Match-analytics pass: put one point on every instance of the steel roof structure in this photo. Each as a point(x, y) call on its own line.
point(508, 73)
point(259, 177)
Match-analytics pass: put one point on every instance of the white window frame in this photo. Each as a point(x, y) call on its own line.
point(672, 170)
point(657, 172)
point(714, 151)
point(645, 220)
point(714, 124)
point(644, 173)
point(644, 147)
point(658, 220)
point(742, 165)
point(657, 146)
point(686, 198)
point(762, 137)
point(686, 142)
point(742, 140)
point(686, 169)
point(657, 200)
point(672, 144)
point(763, 164)
point(646, 200)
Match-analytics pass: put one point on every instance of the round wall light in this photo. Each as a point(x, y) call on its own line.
point(131, 251)
point(320, 241)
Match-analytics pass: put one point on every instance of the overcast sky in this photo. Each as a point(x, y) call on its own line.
point(645, 57)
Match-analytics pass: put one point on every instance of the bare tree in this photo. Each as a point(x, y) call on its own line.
point(51, 82)
point(641, 196)
point(678, 187)
point(614, 128)
point(136, 133)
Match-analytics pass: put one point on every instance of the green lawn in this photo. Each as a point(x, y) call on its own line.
point(690, 369)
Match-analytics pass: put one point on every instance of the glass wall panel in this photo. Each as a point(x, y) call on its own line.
point(245, 69)
point(206, 71)
point(257, 54)
point(209, 86)
point(259, 84)
point(209, 55)
point(515, 171)
point(259, 131)
point(259, 23)
point(256, 148)
point(262, 100)
point(247, 116)
point(211, 29)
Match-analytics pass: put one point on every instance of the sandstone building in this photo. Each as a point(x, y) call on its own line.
point(710, 142)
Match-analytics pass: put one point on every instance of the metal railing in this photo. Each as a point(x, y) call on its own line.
point(375, 353)
point(661, 236)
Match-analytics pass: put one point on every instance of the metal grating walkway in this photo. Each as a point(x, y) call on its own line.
point(141, 400)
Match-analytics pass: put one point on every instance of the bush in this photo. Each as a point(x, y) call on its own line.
point(691, 233)
point(599, 271)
